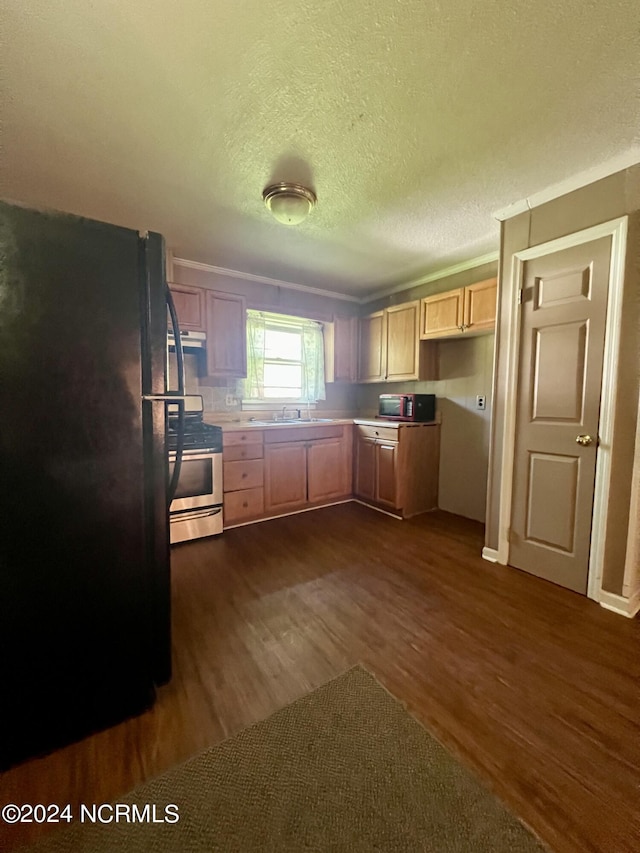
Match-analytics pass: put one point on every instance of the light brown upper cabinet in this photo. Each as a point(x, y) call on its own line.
point(390, 349)
point(189, 302)
point(372, 351)
point(341, 349)
point(226, 327)
point(466, 310)
point(479, 310)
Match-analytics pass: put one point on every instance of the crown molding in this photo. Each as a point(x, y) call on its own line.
point(263, 279)
point(623, 161)
point(489, 258)
point(434, 276)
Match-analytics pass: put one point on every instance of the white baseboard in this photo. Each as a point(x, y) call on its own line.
point(285, 514)
point(619, 604)
point(377, 509)
point(490, 554)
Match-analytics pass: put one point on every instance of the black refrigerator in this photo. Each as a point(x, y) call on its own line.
point(84, 544)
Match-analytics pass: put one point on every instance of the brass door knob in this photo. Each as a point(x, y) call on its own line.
point(584, 440)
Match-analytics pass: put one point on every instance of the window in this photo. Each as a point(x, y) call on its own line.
point(285, 359)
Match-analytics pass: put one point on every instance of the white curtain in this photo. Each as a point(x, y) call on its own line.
point(312, 362)
point(254, 383)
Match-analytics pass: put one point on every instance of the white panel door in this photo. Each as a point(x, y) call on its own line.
point(558, 407)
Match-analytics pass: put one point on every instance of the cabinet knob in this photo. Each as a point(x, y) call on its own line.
point(243, 438)
point(245, 504)
point(244, 475)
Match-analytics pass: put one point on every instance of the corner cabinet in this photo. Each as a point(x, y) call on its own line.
point(341, 349)
point(226, 326)
point(396, 468)
point(466, 310)
point(390, 348)
point(372, 348)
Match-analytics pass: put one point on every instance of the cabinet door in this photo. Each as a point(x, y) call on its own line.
point(285, 476)
point(442, 314)
point(189, 302)
point(373, 348)
point(365, 476)
point(226, 334)
point(386, 470)
point(345, 343)
point(403, 342)
point(327, 470)
point(480, 305)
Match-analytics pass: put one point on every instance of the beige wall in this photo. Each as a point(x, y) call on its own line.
point(604, 200)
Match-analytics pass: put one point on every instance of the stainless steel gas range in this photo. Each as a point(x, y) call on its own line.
point(196, 508)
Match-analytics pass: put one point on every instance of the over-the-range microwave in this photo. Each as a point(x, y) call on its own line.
point(407, 407)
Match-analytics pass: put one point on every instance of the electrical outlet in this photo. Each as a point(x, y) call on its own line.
point(229, 400)
point(481, 402)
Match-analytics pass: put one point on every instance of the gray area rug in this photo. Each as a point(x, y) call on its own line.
point(345, 768)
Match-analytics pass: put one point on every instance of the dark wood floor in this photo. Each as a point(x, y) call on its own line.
point(533, 687)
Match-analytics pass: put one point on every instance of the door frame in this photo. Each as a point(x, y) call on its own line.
point(617, 230)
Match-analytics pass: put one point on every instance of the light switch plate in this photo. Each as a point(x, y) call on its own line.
point(481, 402)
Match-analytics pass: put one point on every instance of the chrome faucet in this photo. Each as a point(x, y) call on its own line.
point(283, 417)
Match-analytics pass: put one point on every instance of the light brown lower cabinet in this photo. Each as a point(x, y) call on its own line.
point(387, 473)
point(242, 477)
point(285, 480)
point(243, 505)
point(285, 470)
point(396, 468)
point(305, 472)
point(282, 470)
point(376, 471)
point(328, 469)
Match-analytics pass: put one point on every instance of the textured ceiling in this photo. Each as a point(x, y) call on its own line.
point(412, 120)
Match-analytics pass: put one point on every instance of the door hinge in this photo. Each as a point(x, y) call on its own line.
point(520, 296)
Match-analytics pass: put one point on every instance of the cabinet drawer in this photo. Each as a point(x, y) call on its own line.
point(280, 435)
point(384, 433)
point(242, 475)
point(242, 451)
point(239, 506)
point(232, 438)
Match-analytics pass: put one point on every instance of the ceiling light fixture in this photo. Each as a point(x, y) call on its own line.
point(290, 204)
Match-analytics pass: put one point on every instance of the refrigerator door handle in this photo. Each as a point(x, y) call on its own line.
point(177, 465)
point(179, 401)
point(176, 335)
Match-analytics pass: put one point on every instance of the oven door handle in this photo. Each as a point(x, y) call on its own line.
point(192, 514)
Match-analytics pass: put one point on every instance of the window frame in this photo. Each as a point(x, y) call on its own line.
point(284, 322)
